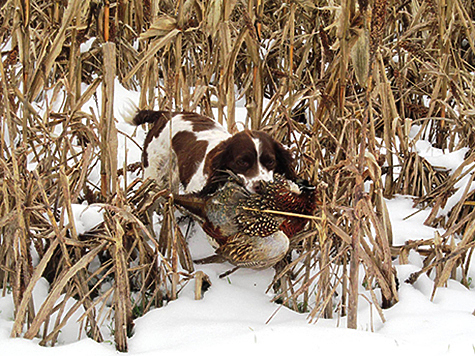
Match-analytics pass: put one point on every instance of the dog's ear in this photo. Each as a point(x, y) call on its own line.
point(285, 162)
point(215, 167)
point(216, 158)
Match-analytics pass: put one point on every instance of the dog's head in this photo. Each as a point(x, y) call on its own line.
point(252, 155)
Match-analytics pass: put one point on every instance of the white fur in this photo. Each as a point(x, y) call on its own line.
point(263, 175)
point(128, 111)
point(159, 151)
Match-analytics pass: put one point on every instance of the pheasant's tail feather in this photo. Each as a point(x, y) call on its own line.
point(227, 273)
point(210, 259)
point(193, 204)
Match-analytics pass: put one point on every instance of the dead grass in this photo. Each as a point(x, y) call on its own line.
point(335, 80)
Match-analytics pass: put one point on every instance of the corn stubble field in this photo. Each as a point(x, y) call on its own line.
point(340, 82)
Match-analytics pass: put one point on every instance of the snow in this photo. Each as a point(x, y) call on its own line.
point(408, 229)
point(439, 158)
point(86, 217)
point(236, 315)
point(233, 316)
point(86, 46)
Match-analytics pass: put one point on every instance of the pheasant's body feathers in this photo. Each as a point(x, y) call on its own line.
point(245, 232)
point(283, 196)
point(255, 252)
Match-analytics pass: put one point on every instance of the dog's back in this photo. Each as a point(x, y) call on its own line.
point(192, 137)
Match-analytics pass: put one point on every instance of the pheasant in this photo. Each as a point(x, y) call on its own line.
point(247, 228)
point(294, 200)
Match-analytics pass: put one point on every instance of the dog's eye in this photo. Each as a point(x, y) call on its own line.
point(242, 163)
point(269, 163)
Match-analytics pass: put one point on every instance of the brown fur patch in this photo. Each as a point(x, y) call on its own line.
point(199, 122)
point(237, 154)
point(190, 152)
point(151, 116)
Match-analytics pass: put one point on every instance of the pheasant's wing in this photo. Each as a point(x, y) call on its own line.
point(221, 207)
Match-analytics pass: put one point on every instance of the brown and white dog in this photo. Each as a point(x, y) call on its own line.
point(194, 150)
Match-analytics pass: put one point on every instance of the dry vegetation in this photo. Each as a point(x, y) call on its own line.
point(335, 80)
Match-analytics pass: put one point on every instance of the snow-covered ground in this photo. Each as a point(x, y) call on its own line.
point(236, 315)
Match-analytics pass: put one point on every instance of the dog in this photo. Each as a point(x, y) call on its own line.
point(192, 153)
